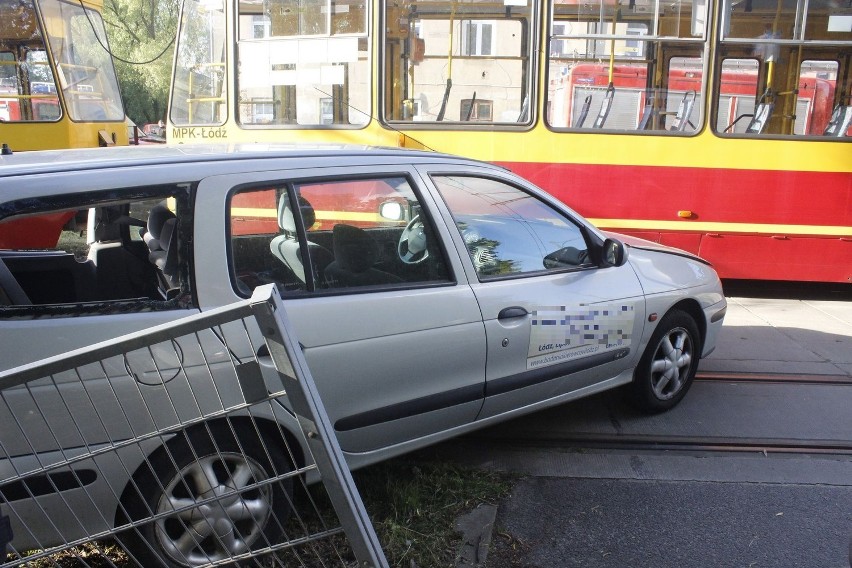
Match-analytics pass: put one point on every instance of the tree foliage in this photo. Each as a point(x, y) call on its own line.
point(141, 35)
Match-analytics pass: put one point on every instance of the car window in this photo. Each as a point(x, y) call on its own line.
point(117, 254)
point(357, 233)
point(508, 231)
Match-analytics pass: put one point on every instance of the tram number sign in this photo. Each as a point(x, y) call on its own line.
point(197, 133)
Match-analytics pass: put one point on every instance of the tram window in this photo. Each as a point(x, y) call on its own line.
point(683, 104)
point(814, 104)
point(85, 71)
point(578, 91)
point(736, 95)
point(808, 20)
point(199, 96)
point(488, 59)
point(27, 86)
point(308, 73)
point(617, 69)
point(799, 56)
point(746, 108)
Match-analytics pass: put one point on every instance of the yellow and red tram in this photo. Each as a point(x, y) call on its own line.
point(719, 126)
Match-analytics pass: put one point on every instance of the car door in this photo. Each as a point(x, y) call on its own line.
point(556, 323)
point(397, 349)
point(90, 278)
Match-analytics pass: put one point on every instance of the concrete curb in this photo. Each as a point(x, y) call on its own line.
point(477, 528)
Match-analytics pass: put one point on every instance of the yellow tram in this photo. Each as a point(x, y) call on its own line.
point(58, 87)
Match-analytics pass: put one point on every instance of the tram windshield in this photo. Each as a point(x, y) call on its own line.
point(84, 74)
point(198, 90)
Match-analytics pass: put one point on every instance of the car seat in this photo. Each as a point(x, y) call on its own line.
point(157, 216)
point(161, 236)
point(355, 254)
point(286, 246)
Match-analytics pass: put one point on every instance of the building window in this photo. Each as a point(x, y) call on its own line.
point(477, 38)
point(261, 26)
point(559, 47)
point(481, 110)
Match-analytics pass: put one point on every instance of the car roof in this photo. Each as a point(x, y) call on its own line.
point(54, 161)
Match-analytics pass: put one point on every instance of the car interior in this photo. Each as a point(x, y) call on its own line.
point(341, 253)
point(111, 254)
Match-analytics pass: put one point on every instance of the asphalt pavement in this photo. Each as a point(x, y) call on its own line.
point(625, 507)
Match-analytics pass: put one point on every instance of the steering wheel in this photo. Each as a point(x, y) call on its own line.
point(412, 243)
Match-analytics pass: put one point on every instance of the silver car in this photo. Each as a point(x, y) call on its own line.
point(432, 295)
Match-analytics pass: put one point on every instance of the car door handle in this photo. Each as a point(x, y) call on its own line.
point(512, 312)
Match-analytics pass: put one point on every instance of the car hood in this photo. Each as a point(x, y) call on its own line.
point(637, 243)
point(662, 269)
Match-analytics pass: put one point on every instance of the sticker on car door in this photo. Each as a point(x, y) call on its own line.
point(563, 333)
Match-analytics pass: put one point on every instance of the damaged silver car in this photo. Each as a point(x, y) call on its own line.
point(432, 295)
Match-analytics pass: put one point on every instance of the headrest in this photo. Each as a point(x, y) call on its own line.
point(354, 249)
point(157, 217)
point(285, 214)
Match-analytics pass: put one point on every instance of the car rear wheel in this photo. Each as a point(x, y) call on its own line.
point(246, 512)
point(667, 367)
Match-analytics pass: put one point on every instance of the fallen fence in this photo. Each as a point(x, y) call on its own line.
point(195, 443)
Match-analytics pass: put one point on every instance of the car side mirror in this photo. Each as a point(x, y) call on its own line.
point(613, 253)
point(392, 210)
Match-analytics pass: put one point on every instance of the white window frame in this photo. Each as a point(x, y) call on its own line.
point(479, 28)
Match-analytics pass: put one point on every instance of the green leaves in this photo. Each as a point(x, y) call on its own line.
point(141, 35)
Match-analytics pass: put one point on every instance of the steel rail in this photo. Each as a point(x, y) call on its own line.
point(691, 444)
point(784, 378)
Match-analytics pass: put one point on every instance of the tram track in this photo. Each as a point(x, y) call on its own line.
point(611, 426)
point(778, 378)
point(689, 444)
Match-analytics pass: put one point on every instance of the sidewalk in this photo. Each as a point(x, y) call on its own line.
point(766, 335)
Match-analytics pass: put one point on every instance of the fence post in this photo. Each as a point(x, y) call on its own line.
point(269, 312)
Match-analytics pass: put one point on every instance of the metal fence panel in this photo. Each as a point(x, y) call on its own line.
point(192, 443)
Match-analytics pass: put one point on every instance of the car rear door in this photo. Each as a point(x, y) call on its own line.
point(557, 325)
point(397, 357)
point(85, 282)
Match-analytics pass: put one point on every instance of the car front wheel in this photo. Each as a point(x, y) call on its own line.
point(667, 367)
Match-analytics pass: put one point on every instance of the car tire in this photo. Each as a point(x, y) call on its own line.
point(667, 367)
point(216, 531)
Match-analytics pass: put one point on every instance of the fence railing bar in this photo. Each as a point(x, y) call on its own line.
point(118, 346)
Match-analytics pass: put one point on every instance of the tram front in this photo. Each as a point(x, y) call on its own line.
point(58, 87)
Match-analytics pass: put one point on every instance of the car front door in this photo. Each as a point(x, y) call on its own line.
point(557, 324)
point(394, 340)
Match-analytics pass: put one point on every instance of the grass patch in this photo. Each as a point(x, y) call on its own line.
point(413, 505)
point(92, 555)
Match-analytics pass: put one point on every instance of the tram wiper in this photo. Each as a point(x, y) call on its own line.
point(470, 108)
point(446, 98)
